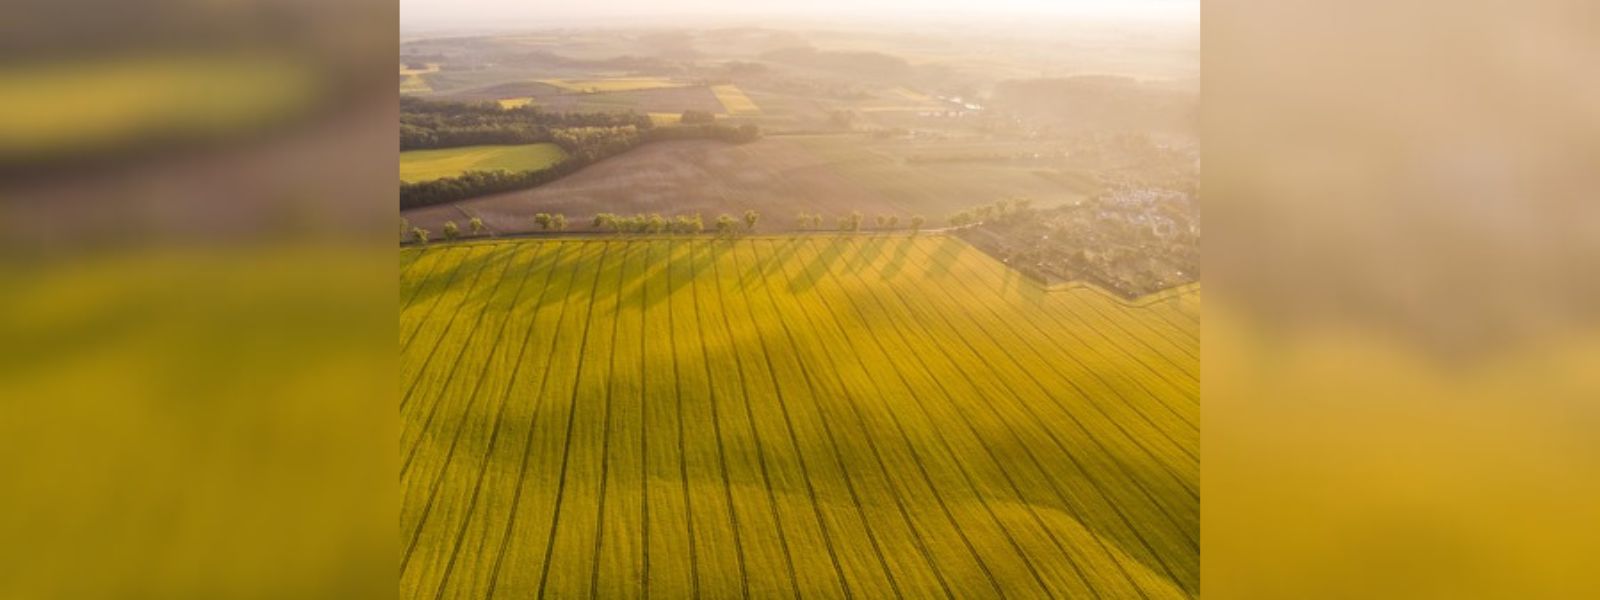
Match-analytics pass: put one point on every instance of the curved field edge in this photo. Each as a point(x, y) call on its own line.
point(815, 415)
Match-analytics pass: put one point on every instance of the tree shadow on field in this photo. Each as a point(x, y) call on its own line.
point(582, 257)
point(637, 270)
point(715, 251)
point(826, 256)
point(656, 277)
point(780, 254)
point(944, 254)
point(1014, 286)
point(863, 253)
point(897, 260)
point(465, 272)
point(544, 266)
point(607, 285)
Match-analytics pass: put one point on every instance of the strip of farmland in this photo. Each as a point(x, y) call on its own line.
point(813, 416)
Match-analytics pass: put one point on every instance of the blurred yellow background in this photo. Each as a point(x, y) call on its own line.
point(1401, 364)
point(196, 386)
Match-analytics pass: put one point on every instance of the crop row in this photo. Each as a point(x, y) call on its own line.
point(801, 416)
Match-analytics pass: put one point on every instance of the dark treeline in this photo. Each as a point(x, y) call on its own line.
point(706, 131)
point(479, 183)
point(431, 124)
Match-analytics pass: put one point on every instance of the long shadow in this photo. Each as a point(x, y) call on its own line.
point(940, 265)
point(897, 261)
point(466, 266)
point(463, 276)
point(771, 264)
point(823, 261)
point(865, 253)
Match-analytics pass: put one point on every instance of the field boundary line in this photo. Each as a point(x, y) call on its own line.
point(1143, 301)
point(566, 449)
point(755, 432)
point(433, 351)
point(851, 401)
point(605, 436)
point(471, 401)
point(444, 387)
point(683, 455)
point(794, 440)
point(494, 437)
point(716, 420)
point(527, 449)
point(910, 446)
point(954, 459)
point(427, 314)
point(1053, 340)
point(1098, 441)
point(1050, 533)
point(1088, 398)
point(1066, 308)
point(421, 279)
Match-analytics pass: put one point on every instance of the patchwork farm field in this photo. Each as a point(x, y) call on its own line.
point(424, 165)
point(777, 176)
point(821, 416)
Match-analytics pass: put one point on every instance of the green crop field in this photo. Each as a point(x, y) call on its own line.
point(423, 165)
point(818, 416)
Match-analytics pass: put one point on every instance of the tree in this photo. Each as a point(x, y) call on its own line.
point(476, 224)
point(882, 221)
point(558, 222)
point(726, 225)
point(543, 220)
point(657, 224)
point(451, 230)
point(604, 221)
point(850, 222)
point(802, 221)
point(405, 226)
point(894, 221)
point(961, 219)
point(750, 219)
point(916, 224)
point(686, 224)
point(697, 117)
point(421, 235)
point(816, 221)
point(633, 224)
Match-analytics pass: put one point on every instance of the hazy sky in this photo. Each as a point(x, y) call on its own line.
point(422, 13)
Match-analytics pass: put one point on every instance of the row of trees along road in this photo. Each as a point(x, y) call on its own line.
point(724, 225)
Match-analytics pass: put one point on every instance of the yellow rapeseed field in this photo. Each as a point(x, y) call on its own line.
point(735, 101)
point(423, 165)
point(878, 416)
point(613, 84)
